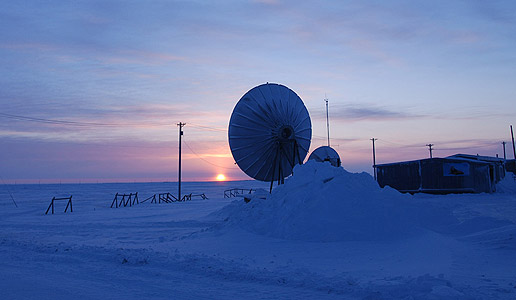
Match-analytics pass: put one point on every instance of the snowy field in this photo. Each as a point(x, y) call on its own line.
point(325, 234)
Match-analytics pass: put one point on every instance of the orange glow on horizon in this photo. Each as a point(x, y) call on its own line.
point(221, 177)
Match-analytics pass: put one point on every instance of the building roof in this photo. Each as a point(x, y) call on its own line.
point(456, 157)
point(478, 157)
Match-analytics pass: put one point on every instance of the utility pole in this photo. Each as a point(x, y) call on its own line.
point(327, 120)
point(374, 159)
point(430, 148)
point(504, 156)
point(179, 174)
point(513, 149)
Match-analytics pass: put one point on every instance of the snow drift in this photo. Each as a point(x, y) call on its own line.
point(320, 202)
point(507, 184)
point(466, 250)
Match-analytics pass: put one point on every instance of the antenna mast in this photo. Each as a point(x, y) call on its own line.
point(179, 173)
point(327, 120)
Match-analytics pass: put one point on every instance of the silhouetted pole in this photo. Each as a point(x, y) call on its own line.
point(327, 122)
point(430, 148)
point(513, 149)
point(179, 174)
point(374, 159)
point(504, 156)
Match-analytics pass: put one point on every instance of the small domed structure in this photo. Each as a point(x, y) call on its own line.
point(326, 153)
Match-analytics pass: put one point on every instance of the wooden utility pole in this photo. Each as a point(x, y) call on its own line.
point(430, 148)
point(504, 155)
point(327, 121)
point(179, 174)
point(513, 148)
point(374, 159)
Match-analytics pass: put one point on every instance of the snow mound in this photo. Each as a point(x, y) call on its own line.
point(324, 203)
point(507, 184)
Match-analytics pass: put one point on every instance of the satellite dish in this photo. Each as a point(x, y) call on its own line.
point(269, 132)
point(326, 153)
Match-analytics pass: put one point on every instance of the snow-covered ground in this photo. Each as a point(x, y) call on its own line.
point(325, 234)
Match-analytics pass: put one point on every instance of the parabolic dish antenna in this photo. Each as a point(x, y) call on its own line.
point(269, 132)
point(326, 153)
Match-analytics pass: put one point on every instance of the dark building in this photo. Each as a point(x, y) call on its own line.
point(497, 163)
point(460, 173)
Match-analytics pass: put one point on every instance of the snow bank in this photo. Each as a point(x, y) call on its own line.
point(324, 203)
point(507, 184)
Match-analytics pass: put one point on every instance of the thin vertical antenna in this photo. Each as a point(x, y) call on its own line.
point(179, 174)
point(327, 120)
point(374, 159)
point(513, 149)
point(504, 155)
point(430, 149)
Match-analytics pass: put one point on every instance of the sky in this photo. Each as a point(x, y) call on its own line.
point(92, 91)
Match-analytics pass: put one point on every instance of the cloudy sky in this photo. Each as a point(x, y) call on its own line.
point(92, 90)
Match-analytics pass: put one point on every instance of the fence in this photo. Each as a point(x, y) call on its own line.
point(166, 197)
point(169, 198)
point(202, 196)
point(236, 192)
point(125, 199)
point(68, 204)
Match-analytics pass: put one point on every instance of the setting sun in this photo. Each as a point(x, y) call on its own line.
point(221, 177)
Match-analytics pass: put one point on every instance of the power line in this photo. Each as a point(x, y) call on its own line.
point(99, 124)
point(207, 127)
point(430, 149)
point(75, 123)
point(400, 145)
point(206, 161)
point(179, 173)
point(374, 159)
point(98, 143)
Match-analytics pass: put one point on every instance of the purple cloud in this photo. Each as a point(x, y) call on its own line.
point(357, 112)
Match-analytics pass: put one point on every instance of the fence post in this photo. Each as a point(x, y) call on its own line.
point(69, 203)
point(51, 206)
point(114, 201)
